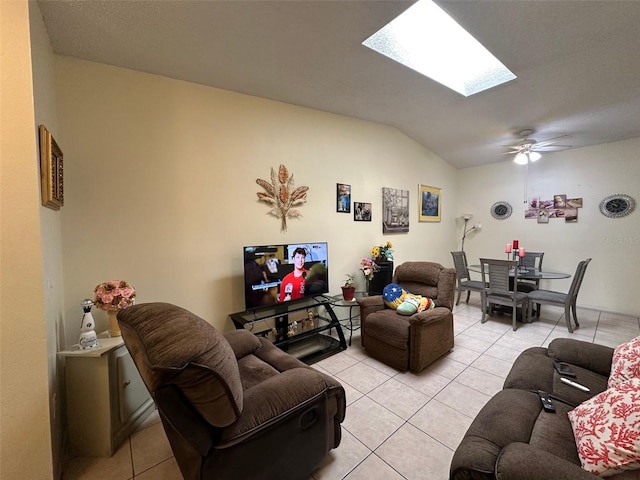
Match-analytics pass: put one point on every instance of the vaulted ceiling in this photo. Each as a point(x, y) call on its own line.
point(577, 62)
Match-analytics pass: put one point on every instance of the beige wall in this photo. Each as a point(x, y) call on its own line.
point(42, 60)
point(592, 173)
point(160, 187)
point(160, 191)
point(25, 446)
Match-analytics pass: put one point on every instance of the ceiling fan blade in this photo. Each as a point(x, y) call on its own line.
point(555, 138)
point(550, 140)
point(552, 146)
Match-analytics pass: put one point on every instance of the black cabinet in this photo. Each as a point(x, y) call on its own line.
point(381, 278)
point(296, 327)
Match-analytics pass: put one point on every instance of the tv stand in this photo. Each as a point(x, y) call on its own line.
point(296, 327)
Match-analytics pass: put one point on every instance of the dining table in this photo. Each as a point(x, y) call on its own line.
point(526, 274)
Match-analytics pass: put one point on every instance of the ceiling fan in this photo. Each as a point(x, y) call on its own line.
point(527, 149)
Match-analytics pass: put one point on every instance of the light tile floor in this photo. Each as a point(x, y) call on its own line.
point(398, 425)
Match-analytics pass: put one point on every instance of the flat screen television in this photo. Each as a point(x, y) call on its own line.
point(284, 272)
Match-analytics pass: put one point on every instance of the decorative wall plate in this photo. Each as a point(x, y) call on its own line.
point(617, 205)
point(501, 210)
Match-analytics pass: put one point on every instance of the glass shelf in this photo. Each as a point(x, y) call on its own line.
point(299, 335)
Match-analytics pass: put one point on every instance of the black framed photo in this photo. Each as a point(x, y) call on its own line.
point(343, 198)
point(361, 212)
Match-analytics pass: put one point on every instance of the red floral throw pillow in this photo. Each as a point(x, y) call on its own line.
point(626, 362)
point(607, 430)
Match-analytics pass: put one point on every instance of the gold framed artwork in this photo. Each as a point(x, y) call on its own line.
point(51, 170)
point(429, 203)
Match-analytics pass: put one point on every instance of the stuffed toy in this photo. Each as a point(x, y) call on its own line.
point(403, 302)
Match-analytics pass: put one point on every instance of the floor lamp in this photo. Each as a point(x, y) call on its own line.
point(466, 217)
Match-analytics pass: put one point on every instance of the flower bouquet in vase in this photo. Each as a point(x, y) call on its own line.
point(368, 268)
point(111, 297)
point(382, 252)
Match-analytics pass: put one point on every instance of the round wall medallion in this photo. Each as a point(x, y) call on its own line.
point(617, 205)
point(501, 210)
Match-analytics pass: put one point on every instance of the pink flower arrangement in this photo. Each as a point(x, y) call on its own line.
point(368, 267)
point(114, 295)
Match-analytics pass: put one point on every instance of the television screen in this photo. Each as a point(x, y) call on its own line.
point(281, 273)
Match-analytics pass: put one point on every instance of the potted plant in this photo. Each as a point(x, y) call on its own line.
point(348, 288)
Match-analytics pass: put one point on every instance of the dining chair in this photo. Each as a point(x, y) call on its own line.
point(531, 261)
point(462, 274)
point(566, 300)
point(499, 290)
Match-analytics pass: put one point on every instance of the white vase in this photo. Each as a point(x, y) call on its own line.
point(88, 338)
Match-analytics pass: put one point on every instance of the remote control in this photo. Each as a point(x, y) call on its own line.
point(546, 401)
point(564, 369)
point(574, 384)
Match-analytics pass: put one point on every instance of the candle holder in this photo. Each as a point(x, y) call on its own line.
point(520, 254)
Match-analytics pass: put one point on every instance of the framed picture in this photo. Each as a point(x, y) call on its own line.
point(395, 210)
point(51, 170)
point(571, 215)
point(429, 203)
point(361, 212)
point(559, 201)
point(343, 198)
point(543, 215)
point(574, 203)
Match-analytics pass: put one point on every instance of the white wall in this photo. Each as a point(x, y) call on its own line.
point(612, 281)
point(25, 442)
point(160, 187)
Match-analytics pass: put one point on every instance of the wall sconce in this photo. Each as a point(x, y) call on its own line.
point(466, 217)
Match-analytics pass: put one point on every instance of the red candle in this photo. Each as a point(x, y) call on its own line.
point(521, 252)
point(508, 248)
point(515, 244)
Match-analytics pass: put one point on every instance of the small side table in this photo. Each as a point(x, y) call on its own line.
point(339, 301)
point(106, 397)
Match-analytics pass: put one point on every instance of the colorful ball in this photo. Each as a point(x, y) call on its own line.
point(393, 295)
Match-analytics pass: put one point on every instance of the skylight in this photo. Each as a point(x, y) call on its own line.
point(427, 40)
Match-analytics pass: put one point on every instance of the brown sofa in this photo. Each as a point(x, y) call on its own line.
point(411, 342)
point(233, 406)
point(513, 438)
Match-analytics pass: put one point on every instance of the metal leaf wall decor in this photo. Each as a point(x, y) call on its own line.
point(282, 195)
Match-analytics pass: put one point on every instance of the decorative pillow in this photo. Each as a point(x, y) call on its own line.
point(393, 295)
point(626, 362)
point(414, 304)
point(607, 430)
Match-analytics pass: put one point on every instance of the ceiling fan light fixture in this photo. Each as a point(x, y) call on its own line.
point(520, 159)
point(526, 156)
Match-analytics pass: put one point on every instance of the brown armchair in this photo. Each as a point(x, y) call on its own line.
point(411, 342)
point(233, 406)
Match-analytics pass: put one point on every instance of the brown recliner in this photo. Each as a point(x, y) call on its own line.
point(411, 342)
point(233, 406)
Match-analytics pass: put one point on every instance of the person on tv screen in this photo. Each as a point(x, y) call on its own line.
point(293, 283)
